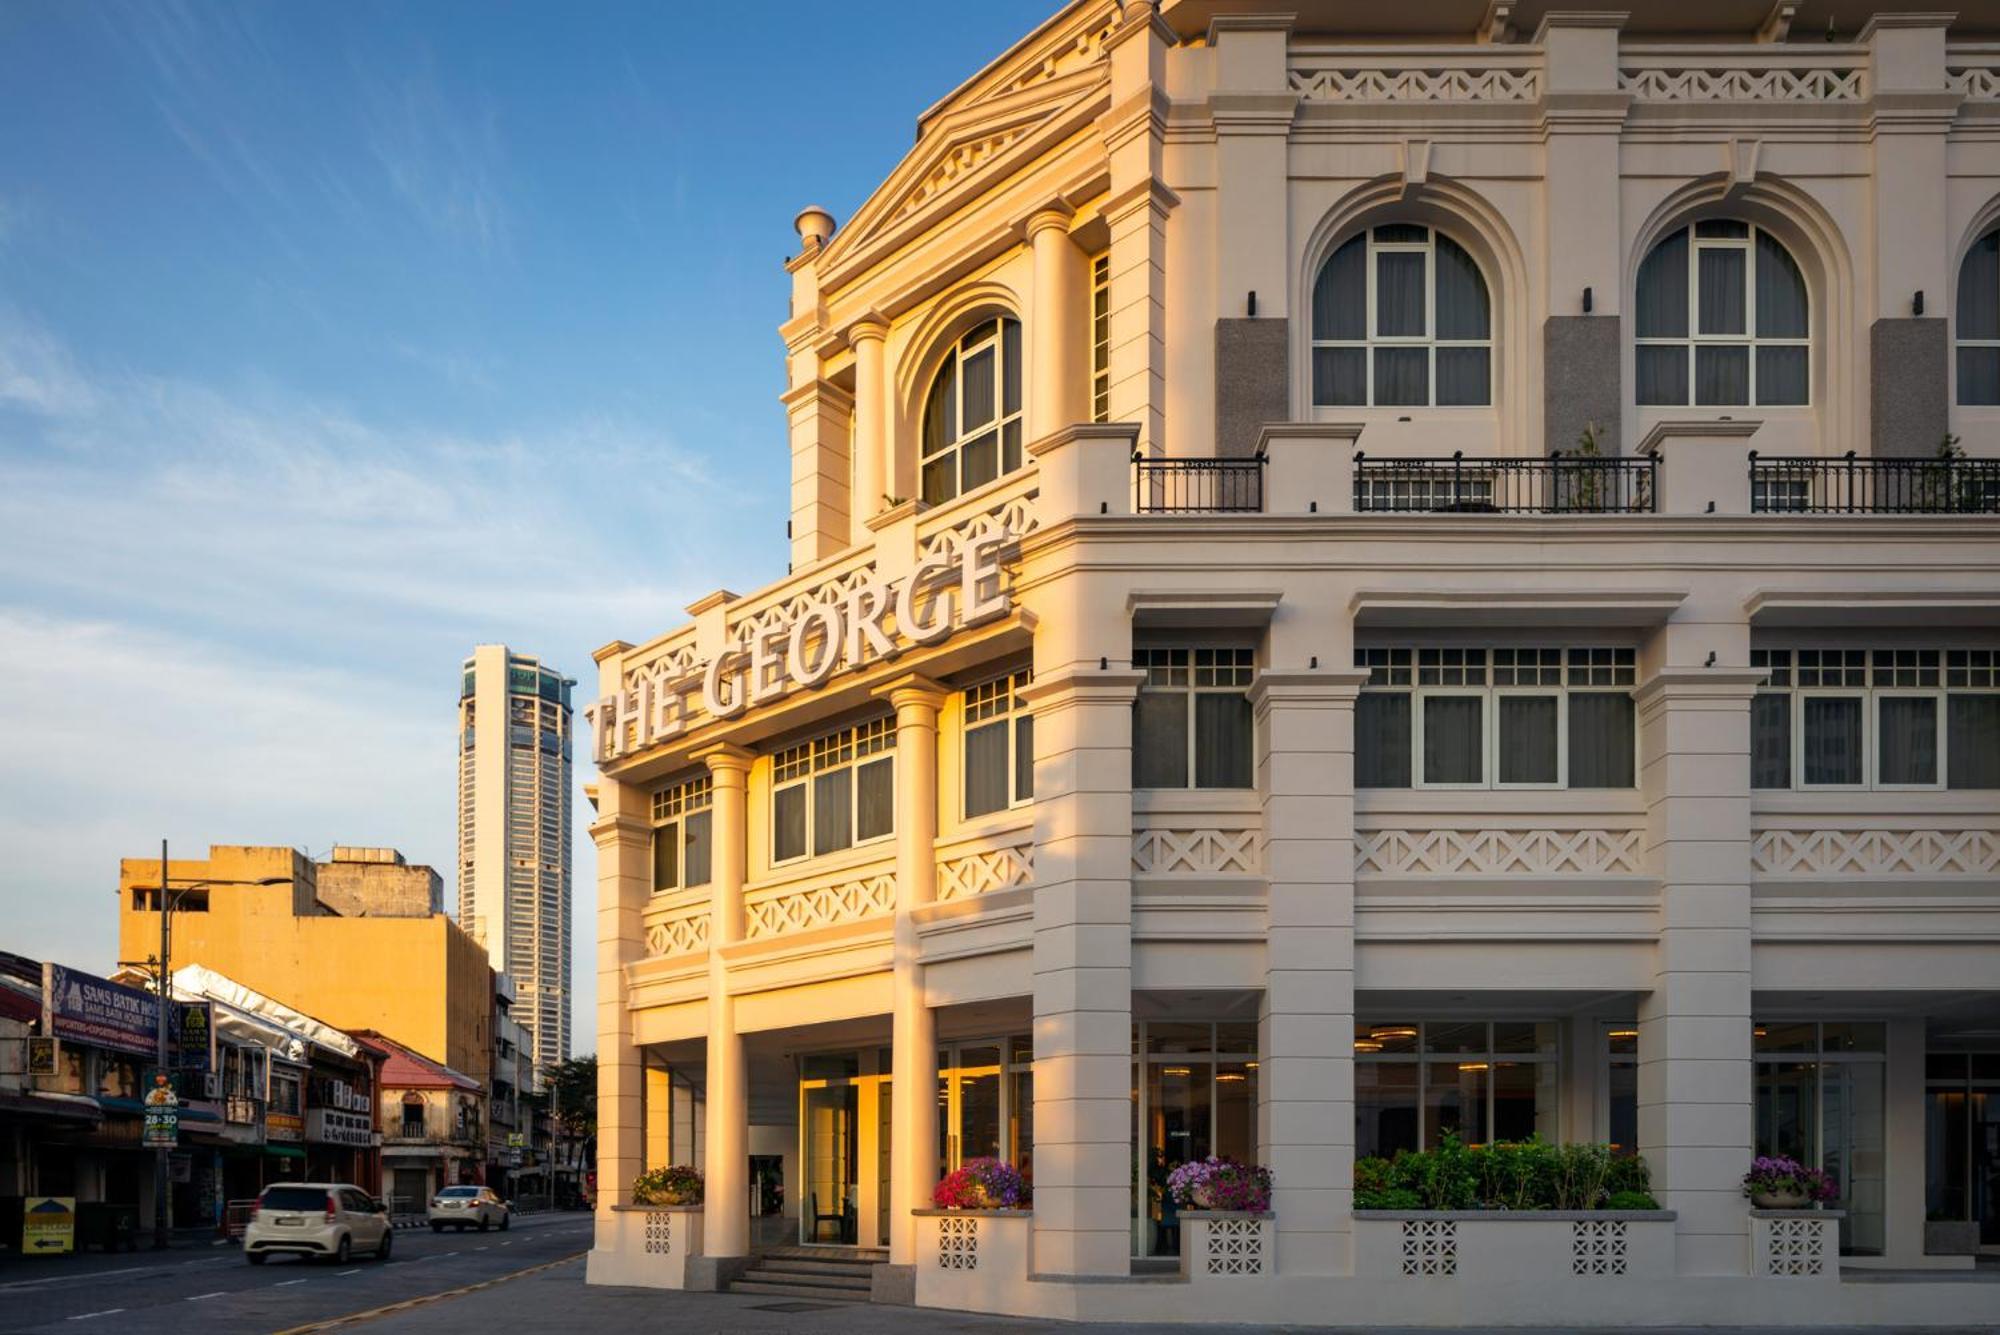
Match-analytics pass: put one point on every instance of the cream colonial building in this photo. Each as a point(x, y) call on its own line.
point(1205, 715)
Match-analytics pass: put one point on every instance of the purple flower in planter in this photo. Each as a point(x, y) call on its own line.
point(1220, 1184)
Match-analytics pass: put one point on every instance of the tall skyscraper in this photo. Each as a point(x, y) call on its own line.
point(513, 832)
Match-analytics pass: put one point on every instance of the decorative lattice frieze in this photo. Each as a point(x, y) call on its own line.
point(1193, 852)
point(788, 611)
point(1427, 85)
point(1794, 1247)
point(659, 1232)
point(1764, 84)
point(827, 905)
point(986, 871)
point(1597, 1247)
point(1876, 853)
point(1235, 1247)
point(958, 1242)
point(1975, 83)
point(1430, 1247)
point(1596, 852)
point(684, 934)
point(1013, 518)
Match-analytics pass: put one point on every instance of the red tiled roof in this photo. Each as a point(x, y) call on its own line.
point(405, 1069)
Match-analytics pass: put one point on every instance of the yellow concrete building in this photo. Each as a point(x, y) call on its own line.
point(256, 915)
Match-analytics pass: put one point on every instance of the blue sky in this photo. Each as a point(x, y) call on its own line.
point(337, 338)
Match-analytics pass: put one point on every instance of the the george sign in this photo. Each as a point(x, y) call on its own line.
point(193, 1036)
point(44, 1054)
point(48, 1225)
point(163, 1115)
point(870, 623)
point(330, 1126)
point(90, 1009)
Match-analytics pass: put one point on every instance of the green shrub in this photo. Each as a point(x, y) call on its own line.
point(1392, 1198)
point(1530, 1174)
point(1628, 1173)
point(1580, 1176)
point(1631, 1200)
point(1443, 1178)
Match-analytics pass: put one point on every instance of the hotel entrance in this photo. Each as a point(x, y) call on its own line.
point(844, 1148)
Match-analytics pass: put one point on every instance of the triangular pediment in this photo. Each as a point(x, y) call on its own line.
point(993, 124)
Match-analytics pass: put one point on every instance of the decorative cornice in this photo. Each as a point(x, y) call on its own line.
point(1304, 685)
point(725, 758)
point(1141, 16)
point(1578, 18)
point(914, 688)
point(1076, 431)
point(1715, 682)
point(1878, 22)
point(1698, 430)
point(720, 598)
point(816, 388)
point(1098, 685)
point(1307, 431)
point(1151, 193)
point(1227, 23)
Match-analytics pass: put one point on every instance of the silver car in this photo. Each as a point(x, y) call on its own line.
point(329, 1219)
point(468, 1207)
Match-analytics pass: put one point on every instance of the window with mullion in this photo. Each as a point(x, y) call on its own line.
point(681, 842)
point(1191, 725)
point(1976, 320)
point(1905, 718)
point(1401, 318)
point(834, 792)
point(1723, 320)
point(999, 746)
point(972, 417)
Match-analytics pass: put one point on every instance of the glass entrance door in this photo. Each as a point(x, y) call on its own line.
point(829, 1123)
point(1963, 1141)
point(968, 1104)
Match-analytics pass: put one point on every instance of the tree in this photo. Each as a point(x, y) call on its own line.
point(572, 1095)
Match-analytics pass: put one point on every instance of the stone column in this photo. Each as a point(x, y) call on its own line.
point(1305, 1085)
point(1696, 1120)
point(913, 1090)
point(1058, 353)
point(726, 1196)
point(623, 835)
point(872, 471)
point(1083, 964)
point(1135, 142)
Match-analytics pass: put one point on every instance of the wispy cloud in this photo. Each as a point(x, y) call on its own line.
point(37, 372)
point(443, 158)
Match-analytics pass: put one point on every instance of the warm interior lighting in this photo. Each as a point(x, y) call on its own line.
point(1230, 1078)
point(1624, 1033)
point(1174, 1070)
point(1392, 1031)
point(1472, 1066)
point(1366, 1045)
point(1760, 1032)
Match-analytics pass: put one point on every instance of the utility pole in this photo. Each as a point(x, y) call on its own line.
point(162, 1219)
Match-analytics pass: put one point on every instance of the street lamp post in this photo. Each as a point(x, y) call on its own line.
point(162, 1217)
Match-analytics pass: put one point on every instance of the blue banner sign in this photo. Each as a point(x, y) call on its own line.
point(89, 1009)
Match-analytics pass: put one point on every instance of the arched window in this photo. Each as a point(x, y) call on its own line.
point(1400, 317)
point(1978, 317)
point(1722, 320)
point(972, 418)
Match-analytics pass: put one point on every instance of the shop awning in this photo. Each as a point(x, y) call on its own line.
point(69, 1107)
point(284, 1151)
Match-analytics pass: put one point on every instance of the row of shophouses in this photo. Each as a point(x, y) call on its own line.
point(277, 1078)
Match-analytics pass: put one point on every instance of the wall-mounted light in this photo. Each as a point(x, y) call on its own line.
point(1917, 303)
point(1587, 302)
point(1313, 662)
point(1711, 659)
point(1253, 303)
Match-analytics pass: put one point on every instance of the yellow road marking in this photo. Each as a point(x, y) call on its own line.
point(408, 1303)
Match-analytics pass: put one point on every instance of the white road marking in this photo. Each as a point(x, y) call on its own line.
point(355, 1271)
point(199, 1296)
point(109, 1311)
point(482, 1249)
point(287, 1283)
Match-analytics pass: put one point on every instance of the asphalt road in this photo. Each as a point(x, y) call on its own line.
point(215, 1291)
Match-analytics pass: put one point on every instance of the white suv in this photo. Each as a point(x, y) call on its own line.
point(331, 1219)
point(468, 1207)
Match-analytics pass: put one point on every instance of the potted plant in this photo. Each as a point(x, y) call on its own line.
point(982, 1184)
point(676, 1184)
point(1782, 1183)
point(1220, 1184)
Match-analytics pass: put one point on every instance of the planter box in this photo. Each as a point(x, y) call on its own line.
point(1795, 1244)
point(1514, 1246)
point(645, 1246)
point(1951, 1237)
point(972, 1260)
point(1223, 1244)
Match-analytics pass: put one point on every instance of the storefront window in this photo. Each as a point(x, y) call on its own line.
point(1414, 1081)
point(1962, 1140)
point(1195, 1094)
point(1819, 1097)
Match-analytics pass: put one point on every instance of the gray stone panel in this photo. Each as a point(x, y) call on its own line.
point(1252, 382)
point(1580, 382)
point(1909, 385)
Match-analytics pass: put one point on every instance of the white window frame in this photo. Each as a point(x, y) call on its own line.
point(966, 345)
point(1100, 337)
point(1427, 341)
point(1799, 697)
point(1424, 1059)
point(1557, 693)
point(1420, 723)
point(1874, 731)
point(670, 807)
point(871, 732)
point(1008, 717)
point(1750, 338)
point(1190, 691)
point(1959, 340)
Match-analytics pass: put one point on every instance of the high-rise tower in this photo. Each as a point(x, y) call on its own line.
point(513, 832)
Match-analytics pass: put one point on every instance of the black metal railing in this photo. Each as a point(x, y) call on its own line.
point(1555, 485)
point(1197, 486)
point(1855, 486)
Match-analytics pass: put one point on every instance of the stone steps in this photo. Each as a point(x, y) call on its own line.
point(822, 1274)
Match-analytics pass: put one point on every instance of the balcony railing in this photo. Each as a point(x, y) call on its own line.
point(1507, 486)
point(1197, 486)
point(1854, 486)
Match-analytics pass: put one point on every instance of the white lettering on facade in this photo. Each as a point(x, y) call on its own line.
point(942, 595)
